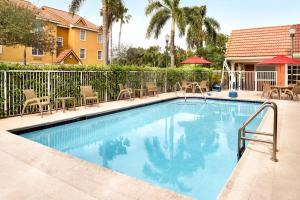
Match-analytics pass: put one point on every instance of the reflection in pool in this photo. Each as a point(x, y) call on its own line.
point(188, 148)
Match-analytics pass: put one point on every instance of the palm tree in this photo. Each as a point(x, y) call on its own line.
point(162, 11)
point(74, 7)
point(123, 18)
point(114, 11)
point(200, 27)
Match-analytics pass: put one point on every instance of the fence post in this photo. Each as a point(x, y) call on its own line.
point(240, 79)
point(48, 84)
point(5, 92)
point(255, 81)
point(142, 80)
point(106, 85)
point(166, 81)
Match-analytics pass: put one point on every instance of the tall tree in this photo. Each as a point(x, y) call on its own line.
point(162, 11)
point(114, 11)
point(74, 7)
point(200, 27)
point(122, 18)
point(22, 25)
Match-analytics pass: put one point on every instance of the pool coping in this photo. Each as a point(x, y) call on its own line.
point(36, 127)
point(102, 113)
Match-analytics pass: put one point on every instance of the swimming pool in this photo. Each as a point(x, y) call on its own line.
point(189, 148)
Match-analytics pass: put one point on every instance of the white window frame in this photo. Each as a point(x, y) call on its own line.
point(100, 35)
point(80, 34)
point(37, 51)
point(1, 49)
point(84, 53)
point(98, 55)
point(62, 42)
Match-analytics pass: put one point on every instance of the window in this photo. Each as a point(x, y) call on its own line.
point(296, 74)
point(82, 35)
point(36, 52)
point(100, 38)
point(38, 28)
point(1, 49)
point(82, 53)
point(99, 55)
point(60, 42)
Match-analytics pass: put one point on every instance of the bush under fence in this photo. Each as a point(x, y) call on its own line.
point(67, 83)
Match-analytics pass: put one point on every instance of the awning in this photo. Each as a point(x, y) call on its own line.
point(195, 60)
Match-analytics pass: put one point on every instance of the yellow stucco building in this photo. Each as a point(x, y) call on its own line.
point(78, 41)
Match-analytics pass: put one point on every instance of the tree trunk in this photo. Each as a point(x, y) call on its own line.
point(172, 44)
point(105, 33)
point(25, 57)
point(111, 46)
point(119, 42)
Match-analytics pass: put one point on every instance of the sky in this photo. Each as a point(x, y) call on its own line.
point(231, 14)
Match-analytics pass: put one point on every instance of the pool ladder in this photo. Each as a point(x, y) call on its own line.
point(184, 92)
point(242, 137)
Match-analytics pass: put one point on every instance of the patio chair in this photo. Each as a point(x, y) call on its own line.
point(33, 101)
point(124, 91)
point(293, 92)
point(185, 86)
point(267, 90)
point(203, 86)
point(87, 95)
point(151, 88)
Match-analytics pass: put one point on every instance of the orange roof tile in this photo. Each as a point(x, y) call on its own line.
point(31, 6)
point(265, 41)
point(68, 19)
point(64, 54)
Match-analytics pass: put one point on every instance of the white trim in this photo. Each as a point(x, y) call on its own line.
point(80, 27)
point(84, 35)
point(60, 25)
point(85, 52)
point(98, 55)
point(36, 55)
point(1, 49)
point(99, 37)
point(286, 81)
point(62, 42)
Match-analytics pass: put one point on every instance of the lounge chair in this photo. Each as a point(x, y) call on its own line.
point(267, 90)
point(151, 88)
point(87, 95)
point(203, 86)
point(185, 86)
point(124, 91)
point(33, 100)
point(293, 92)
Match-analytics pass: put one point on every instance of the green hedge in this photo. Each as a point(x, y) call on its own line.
point(8, 66)
point(104, 80)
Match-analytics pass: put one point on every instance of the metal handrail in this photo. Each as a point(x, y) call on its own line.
point(181, 90)
point(242, 131)
point(197, 85)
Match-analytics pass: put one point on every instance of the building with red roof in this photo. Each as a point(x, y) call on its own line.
point(246, 48)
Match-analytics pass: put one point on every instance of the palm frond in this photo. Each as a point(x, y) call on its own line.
point(155, 5)
point(157, 22)
point(75, 5)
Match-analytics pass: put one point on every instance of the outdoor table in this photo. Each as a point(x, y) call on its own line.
point(142, 92)
point(280, 89)
point(63, 102)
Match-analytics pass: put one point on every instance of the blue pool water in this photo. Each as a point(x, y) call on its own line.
point(187, 148)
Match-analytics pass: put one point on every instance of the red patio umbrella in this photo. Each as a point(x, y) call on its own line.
point(195, 60)
point(280, 60)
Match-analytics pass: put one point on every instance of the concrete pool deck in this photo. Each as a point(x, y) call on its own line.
point(32, 171)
